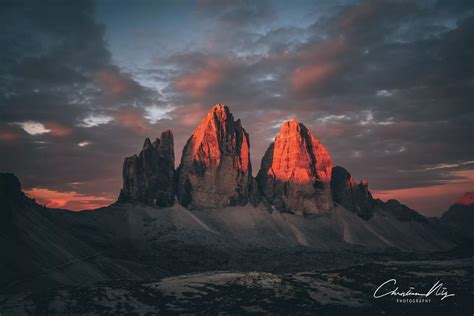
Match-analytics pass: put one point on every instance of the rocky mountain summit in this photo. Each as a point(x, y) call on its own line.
point(215, 169)
point(149, 177)
point(295, 173)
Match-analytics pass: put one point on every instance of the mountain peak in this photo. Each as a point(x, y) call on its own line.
point(147, 143)
point(295, 172)
point(292, 123)
point(466, 199)
point(220, 108)
point(215, 169)
point(219, 112)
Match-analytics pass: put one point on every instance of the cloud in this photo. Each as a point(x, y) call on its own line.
point(33, 128)
point(133, 120)
point(156, 113)
point(8, 135)
point(83, 144)
point(431, 199)
point(384, 93)
point(57, 129)
point(359, 13)
point(200, 83)
point(114, 83)
point(189, 115)
point(68, 200)
point(93, 120)
point(307, 78)
point(387, 86)
point(52, 128)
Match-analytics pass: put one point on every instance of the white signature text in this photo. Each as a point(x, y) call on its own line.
point(389, 288)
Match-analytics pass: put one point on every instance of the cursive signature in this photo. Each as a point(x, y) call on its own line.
point(437, 289)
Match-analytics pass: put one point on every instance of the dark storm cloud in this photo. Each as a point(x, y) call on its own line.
point(56, 71)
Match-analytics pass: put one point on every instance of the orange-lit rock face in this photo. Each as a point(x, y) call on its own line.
point(215, 168)
point(295, 172)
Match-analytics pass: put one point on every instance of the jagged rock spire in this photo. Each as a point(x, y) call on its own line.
point(149, 176)
point(215, 169)
point(354, 196)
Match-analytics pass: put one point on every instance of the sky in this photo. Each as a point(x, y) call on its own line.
point(386, 86)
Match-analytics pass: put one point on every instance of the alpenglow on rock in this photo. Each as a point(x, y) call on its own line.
point(215, 169)
point(149, 176)
point(295, 172)
point(351, 195)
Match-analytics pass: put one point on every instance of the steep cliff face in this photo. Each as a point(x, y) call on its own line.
point(215, 169)
point(353, 196)
point(295, 172)
point(149, 177)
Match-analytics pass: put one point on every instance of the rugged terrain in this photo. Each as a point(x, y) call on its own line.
point(302, 236)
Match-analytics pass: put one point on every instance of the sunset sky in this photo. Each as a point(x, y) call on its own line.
point(386, 86)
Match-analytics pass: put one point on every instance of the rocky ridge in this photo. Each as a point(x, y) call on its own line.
point(353, 196)
point(296, 173)
point(149, 177)
point(459, 218)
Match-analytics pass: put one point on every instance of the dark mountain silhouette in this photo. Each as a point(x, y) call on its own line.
point(459, 218)
point(38, 251)
point(149, 177)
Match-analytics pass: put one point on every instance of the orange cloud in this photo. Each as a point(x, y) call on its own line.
point(434, 199)
point(190, 115)
point(68, 200)
point(306, 78)
point(360, 13)
point(326, 50)
point(58, 129)
point(132, 120)
point(466, 199)
point(336, 130)
point(201, 82)
point(113, 82)
point(323, 51)
point(7, 135)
